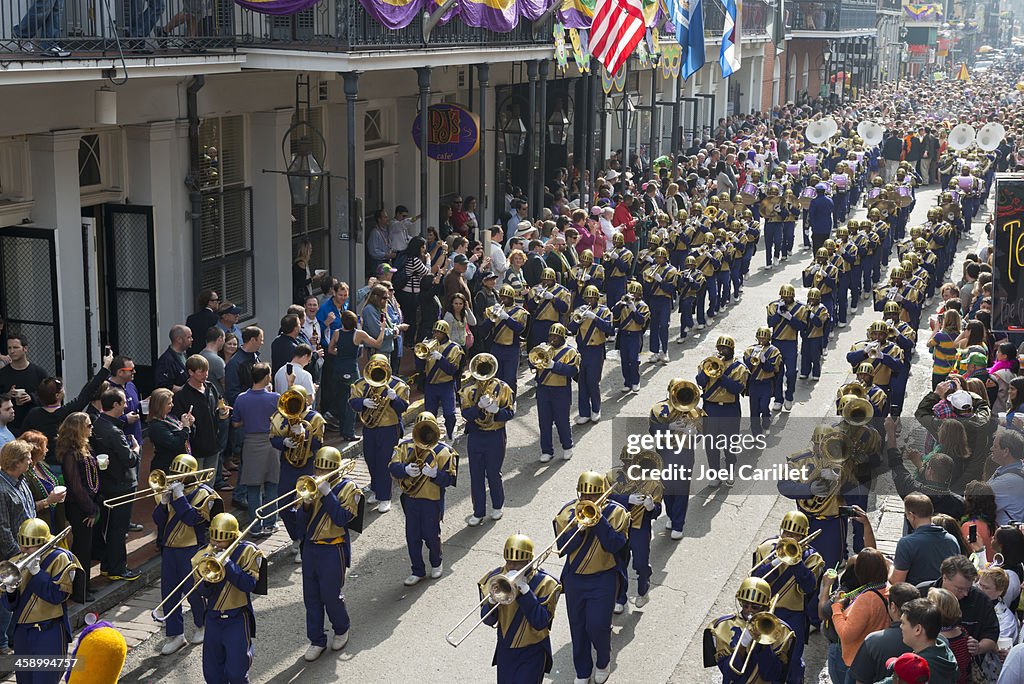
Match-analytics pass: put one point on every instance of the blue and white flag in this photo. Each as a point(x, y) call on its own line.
point(694, 38)
point(729, 57)
point(679, 15)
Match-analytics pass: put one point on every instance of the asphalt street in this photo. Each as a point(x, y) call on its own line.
point(398, 633)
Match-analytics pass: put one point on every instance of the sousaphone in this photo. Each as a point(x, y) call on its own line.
point(871, 132)
point(990, 136)
point(961, 137)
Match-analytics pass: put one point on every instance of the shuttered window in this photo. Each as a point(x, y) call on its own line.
point(226, 261)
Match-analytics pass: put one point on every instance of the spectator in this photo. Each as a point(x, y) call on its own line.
point(515, 276)
point(16, 506)
point(1003, 372)
point(994, 583)
point(200, 400)
point(971, 271)
point(329, 313)
point(212, 353)
point(943, 347)
point(952, 632)
point(402, 228)
point(921, 622)
point(82, 506)
point(231, 345)
point(20, 379)
point(378, 243)
point(869, 665)
point(169, 434)
point(1007, 481)
point(170, 367)
point(952, 442)
point(260, 461)
point(376, 323)
point(203, 319)
point(857, 613)
point(297, 374)
point(6, 418)
point(238, 371)
point(1013, 667)
point(345, 348)
point(979, 514)
point(932, 481)
point(952, 526)
point(310, 329)
point(1008, 542)
point(228, 321)
point(117, 479)
point(122, 372)
point(41, 482)
point(971, 410)
point(417, 265)
point(461, 320)
point(499, 262)
point(958, 575)
point(919, 555)
point(455, 280)
point(286, 341)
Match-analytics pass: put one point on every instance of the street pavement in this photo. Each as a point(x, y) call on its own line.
point(398, 633)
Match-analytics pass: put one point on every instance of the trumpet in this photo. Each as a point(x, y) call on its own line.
point(493, 313)
point(649, 274)
point(11, 571)
point(540, 356)
point(424, 349)
point(579, 314)
point(789, 552)
point(755, 355)
point(305, 491)
point(713, 367)
point(209, 568)
point(159, 482)
point(766, 628)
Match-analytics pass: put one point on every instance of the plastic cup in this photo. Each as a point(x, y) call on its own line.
point(1004, 643)
point(144, 406)
point(103, 460)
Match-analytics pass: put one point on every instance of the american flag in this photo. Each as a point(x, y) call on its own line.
point(617, 28)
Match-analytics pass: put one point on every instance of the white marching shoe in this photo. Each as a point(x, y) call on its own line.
point(297, 559)
point(620, 608)
point(436, 572)
point(371, 499)
point(642, 601)
point(668, 524)
point(412, 580)
point(339, 641)
point(384, 506)
point(677, 534)
point(582, 420)
point(474, 521)
point(595, 417)
point(788, 406)
point(497, 514)
point(544, 458)
point(776, 406)
point(173, 645)
point(581, 680)
point(313, 652)
point(601, 676)
point(198, 636)
point(635, 389)
point(566, 454)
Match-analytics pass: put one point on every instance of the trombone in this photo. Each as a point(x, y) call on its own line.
point(305, 491)
point(209, 568)
point(540, 356)
point(788, 551)
point(766, 628)
point(502, 587)
point(494, 312)
point(11, 571)
point(159, 482)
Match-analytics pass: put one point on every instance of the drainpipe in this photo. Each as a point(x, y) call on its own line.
point(192, 179)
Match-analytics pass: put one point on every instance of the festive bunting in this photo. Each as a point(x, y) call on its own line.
point(277, 7)
point(577, 14)
point(561, 52)
point(931, 12)
point(396, 14)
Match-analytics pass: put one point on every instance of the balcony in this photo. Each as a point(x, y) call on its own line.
point(830, 17)
point(753, 20)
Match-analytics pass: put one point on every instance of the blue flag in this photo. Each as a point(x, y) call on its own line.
point(679, 15)
point(729, 55)
point(694, 39)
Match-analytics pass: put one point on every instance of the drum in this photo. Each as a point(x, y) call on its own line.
point(966, 183)
point(903, 196)
point(842, 182)
point(793, 169)
point(874, 194)
point(806, 195)
point(859, 156)
point(811, 160)
point(955, 196)
point(748, 193)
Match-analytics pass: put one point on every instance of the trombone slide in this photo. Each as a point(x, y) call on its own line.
point(158, 484)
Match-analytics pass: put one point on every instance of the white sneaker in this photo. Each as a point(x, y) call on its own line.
point(474, 521)
point(198, 636)
point(173, 645)
point(840, 325)
point(642, 601)
point(677, 534)
point(339, 641)
point(729, 482)
point(788, 406)
point(664, 358)
point(497, 514)
point(371, 499)
point(601, 676)
point(700, 326)
point(384, 506)
point(680, 339)
point(594, 417)
point(412, 580)
point(436, 572)
point(566, 454)
point(635, 389)
point(581, 680)
point(668, 524)
point(776, 406)
point(802, 377)
point(582, 420)
point(297, 558)
point(626, 389)
point(767, 267)
point(620, 608)
point(545, 458)
point(313, 652)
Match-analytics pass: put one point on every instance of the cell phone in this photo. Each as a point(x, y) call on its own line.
point(290, 369)
point(107, 351)
point(972, 533)
point(847, 512)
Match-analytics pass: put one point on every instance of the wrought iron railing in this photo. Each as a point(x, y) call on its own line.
point(837, 15)
point(753, 18)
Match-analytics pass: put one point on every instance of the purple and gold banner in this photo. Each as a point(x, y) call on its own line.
point(577, 14)
point(500, 16)
point(394, 14)
point(276, 7)
point(931, 12)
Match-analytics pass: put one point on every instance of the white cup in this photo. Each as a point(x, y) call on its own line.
point(19, 393)
point(60, 490)
point(103, 460)
point(144, 406)
point(1004, 643)
point(320, 272)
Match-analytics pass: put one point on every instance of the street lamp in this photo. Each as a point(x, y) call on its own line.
point(558, 127)
point(627, 113)
point(513, 133)
point(305, 175)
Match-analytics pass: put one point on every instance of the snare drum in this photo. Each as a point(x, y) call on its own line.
point(903, 196)
point(811, 160)
point(842, 181)
point(966, 183)
point(806, 195)
point(748, 193)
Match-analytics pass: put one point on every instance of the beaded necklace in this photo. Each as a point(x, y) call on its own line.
point(92, 473)
point(851, 595)
point(46, 476)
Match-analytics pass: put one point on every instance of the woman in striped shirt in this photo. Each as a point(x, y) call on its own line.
point(417, 264)
point(943, 346)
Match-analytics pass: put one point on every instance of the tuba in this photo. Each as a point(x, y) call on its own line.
point(425, 435)
point(854, 388)
point(713, 367)
point(857, 412)
point(292, 405)
point(540, 356)
point(423, 349)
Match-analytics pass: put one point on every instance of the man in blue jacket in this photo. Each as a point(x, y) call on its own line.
point(820, 216)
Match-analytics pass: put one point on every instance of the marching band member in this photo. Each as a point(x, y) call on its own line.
point(297, 441)
point(618, 265)
point(230, 621)
point(770, 209)
point(590, 575)
point(555, 373)
point(327, 552)
point(764, 361)
point(380, 410)
point(424, 466)
point(677, 413)
point(506, 334)
point(818, 322)
point(591, 324)
point(487, 404)
point(523, 651)
point(865, 373)
point(904, 294)
point(844, 258)
point(735, 243)
point(585, 275)
point(661, 279)
point(905, 337)
point(821, 274)
point(866, 455)
point(884, 356)
point(182, 516)
point(729, 643)
point(642, 499)
point(440, 367)
point(547, 304)
point(691, 282)
point(792, 585)
point(41, 628)
point(709, 258)
point(724, 274)
point(632, 316)
point(679, 240)
point(721, 394)
point(787, 319)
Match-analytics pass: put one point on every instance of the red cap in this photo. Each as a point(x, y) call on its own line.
point(910, 667)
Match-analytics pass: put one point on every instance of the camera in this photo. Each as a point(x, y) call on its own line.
point(847, 512)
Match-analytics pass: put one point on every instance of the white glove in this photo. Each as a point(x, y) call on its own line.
point(746, 638)
point(776, 562)
point(492, 407)
point(819, 488)
point(551, 364)
point(657, 277)
point(632, 305)
point(548, 294)
point(165, 497)
point(392, 394)
point(787, 315)
point(899, 298)
point(586, 277)
point(522, 586)
point(289, 442)
point(589, 314)
point(491, 600)
point(297, 429)
point(429, 470)
point(10, 588)
point(636, 499)
point(34, 567)
point(503, 315)
point(369, 404)
point(177, 490)
point(649, 503)
point(435, 355)
point(412, 470)
point(484, 401)
point(324, 488)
